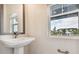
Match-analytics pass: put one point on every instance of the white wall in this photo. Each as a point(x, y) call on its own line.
point(38, 27)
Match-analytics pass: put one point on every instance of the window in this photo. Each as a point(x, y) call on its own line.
point(64, 23)
point(14, 24)
point(56, 9)
point(69, 7)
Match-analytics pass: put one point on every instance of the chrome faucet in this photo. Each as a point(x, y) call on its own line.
point(16, 34)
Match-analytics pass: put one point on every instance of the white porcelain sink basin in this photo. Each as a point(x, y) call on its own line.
point(18, 42)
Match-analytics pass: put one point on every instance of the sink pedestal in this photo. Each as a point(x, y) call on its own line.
point(19, 50)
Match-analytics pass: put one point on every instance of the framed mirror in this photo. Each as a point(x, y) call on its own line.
point(12, 18)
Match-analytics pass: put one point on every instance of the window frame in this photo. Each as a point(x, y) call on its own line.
point(49, 30)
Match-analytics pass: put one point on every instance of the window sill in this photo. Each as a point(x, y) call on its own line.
point(65, 37)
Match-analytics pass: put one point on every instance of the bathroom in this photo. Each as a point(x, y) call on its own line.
point(33, 20)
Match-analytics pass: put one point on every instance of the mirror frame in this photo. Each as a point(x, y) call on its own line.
point(23, 19)
point(23, 23)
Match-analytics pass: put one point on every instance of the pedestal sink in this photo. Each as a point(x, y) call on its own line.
point(17, 44)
